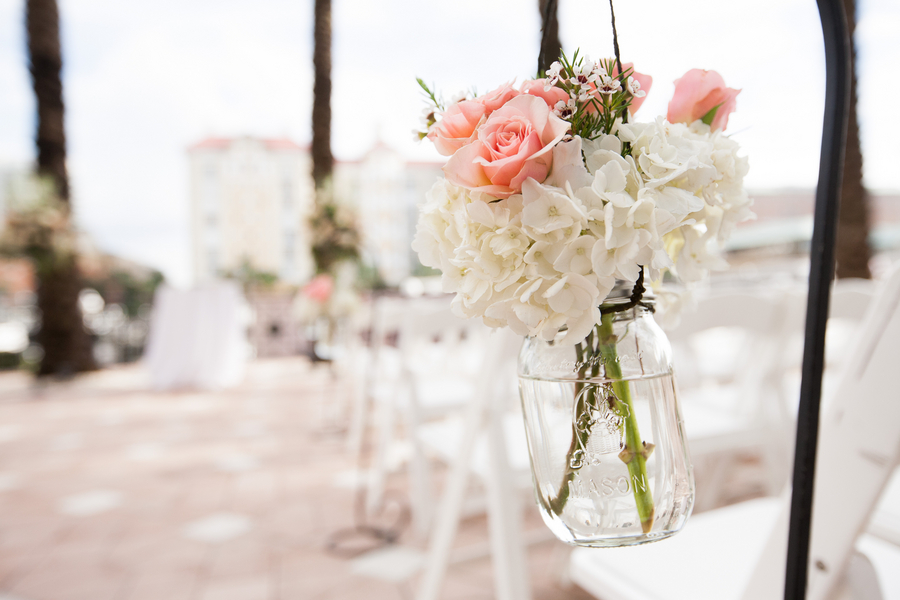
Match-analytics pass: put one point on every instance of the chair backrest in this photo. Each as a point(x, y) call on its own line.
point(729, 338)
point(434, 327)
point(851, 298)
point(859, 444)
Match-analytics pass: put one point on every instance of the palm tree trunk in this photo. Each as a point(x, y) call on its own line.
point(852, 250)
point(66, 345)
point(322, 159)
point(550, 44)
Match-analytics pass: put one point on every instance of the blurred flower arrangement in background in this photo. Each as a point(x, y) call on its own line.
point(38, 224)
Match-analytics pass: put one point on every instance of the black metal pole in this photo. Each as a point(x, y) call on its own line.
point(821, 271)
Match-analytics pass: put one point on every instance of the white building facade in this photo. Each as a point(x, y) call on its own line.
point(385, 191)
point(251, 200)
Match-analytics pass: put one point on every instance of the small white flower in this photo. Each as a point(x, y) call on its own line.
point(608, 85)
point(509, 240)
point(583, 80)
point(459, 97)
point(568, 166)
point(547, 209)
point(565, 110)
point(576, 256)
point(552, 75)
point(571, 295)
point(634, 88)
point(540, 258)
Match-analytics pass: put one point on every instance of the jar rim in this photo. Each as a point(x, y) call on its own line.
point(621, 293)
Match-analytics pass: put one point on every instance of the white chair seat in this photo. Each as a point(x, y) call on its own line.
point(885, 523)
point(709, 429)
point(444, 438)
point(442, 393)
point(688, 566)
point(692, 566)
point(885, 558)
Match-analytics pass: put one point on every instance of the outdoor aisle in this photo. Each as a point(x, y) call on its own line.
point(109, 491)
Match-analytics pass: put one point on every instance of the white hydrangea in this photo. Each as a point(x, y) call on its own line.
point(547, 258)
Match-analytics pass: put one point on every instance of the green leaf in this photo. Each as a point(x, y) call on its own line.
point(708, 117)
point(431, 95)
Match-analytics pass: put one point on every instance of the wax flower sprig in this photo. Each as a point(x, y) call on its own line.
point(599, 95)
point(435, 106)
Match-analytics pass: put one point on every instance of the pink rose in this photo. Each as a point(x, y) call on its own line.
point(514, 144)
point(319, 289)
point(697, 93)
point(457, 126)
point(497, 98)
point(551, 97)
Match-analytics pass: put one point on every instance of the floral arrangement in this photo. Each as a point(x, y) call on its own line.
point(37, 224)
point(328, 297)
point(551, 193)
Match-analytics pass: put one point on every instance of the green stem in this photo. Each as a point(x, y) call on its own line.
point(579, 438)
point(635, 453)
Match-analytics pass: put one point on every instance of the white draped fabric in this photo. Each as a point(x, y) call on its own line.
point(198, 337)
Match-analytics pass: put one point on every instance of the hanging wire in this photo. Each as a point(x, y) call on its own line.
point(548, 24)
point(636, 298)
point(615, 33)
point(612, 13)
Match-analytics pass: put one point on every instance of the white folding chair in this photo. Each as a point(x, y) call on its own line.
point(424, 365)
point(483, 445)
point(441, 360)
point(850, 298)
point(725, 355)
point(739, 552)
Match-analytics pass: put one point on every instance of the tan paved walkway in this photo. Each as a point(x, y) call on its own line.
point(109, 491)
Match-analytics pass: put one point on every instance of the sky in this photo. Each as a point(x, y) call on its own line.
point(144, 80)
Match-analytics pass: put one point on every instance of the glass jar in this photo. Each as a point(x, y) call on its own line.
point(609, 458)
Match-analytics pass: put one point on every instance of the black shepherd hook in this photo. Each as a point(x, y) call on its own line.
point(821, 271)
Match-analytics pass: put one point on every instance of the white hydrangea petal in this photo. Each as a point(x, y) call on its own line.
point(568, 166)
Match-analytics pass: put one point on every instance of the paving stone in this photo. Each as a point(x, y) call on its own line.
point(111, 491)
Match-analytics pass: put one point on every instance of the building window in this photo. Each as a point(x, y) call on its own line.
point(212, 261)
point(287, 191)
point(289, 250)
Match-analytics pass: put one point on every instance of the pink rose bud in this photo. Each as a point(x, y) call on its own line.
point(536, 87)
point(702, 95)
point(319, 289)
point(457, 126)
point(497, 98)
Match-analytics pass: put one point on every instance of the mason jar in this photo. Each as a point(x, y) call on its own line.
point(609, 456)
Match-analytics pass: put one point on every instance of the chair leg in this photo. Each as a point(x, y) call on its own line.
point(451, 505)
point(420, 480)
point(378, 473)
point(359, 411)
point(511, 580)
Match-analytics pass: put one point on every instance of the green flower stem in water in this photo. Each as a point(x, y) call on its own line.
point(635, 452)
point(579, 437)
